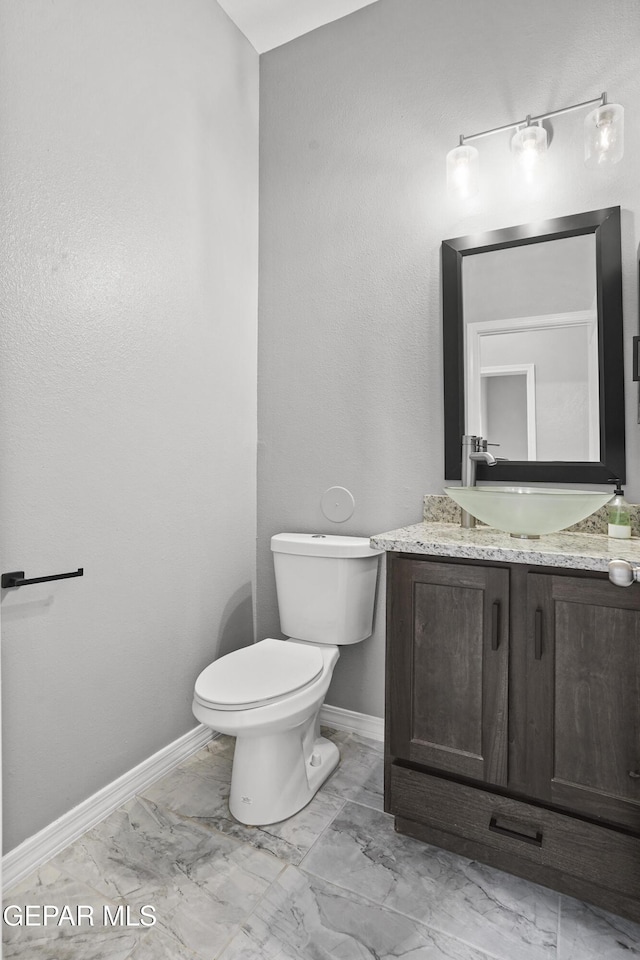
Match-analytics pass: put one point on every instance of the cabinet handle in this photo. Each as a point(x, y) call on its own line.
point(537, 646)
point(536, 839)
point(634, 774)
point(495, 625)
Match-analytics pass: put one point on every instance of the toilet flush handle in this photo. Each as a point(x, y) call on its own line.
point(623, 573)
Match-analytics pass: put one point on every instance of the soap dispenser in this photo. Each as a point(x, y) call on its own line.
point(619, 515)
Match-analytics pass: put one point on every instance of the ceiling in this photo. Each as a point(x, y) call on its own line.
point(269, 23)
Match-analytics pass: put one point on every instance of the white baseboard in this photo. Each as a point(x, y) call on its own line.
point(45, 844)
point(361, 723)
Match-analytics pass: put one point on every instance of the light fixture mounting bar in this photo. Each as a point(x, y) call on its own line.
point(602, 99)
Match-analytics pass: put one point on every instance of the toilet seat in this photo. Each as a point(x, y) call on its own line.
point(258, 674)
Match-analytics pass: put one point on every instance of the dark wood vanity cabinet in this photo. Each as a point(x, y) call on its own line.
point(450, 626)
point(583, 686)
point(513, 720)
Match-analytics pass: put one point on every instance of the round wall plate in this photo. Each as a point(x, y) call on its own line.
point(337, 504)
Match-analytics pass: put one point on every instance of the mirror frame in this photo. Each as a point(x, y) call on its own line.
point(605, 225)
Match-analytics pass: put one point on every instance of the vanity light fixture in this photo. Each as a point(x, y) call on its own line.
point(603, 145)
point(463, 169)
point(604, 134)
point(529, 150)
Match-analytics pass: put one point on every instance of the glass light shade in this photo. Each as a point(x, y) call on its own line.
point(529, 150)
point(604, 135)
point(463, 169)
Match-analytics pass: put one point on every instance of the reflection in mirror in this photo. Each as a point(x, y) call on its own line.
point(507, 409)
point(531, 349)
point(533, 358)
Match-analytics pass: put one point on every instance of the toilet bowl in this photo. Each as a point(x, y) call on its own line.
point(269, 695)
point(280, 759)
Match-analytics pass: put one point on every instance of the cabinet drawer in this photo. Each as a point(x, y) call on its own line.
point(543, 837)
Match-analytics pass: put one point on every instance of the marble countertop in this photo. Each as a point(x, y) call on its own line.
point(581, 551)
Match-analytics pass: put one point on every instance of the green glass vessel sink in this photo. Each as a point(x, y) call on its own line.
point(528, 511)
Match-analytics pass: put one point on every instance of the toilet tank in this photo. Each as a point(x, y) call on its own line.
point(326, 586)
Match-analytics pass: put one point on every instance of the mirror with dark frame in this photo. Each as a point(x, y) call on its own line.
point(533, 349)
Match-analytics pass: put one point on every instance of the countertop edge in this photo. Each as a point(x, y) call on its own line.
point(581, 551)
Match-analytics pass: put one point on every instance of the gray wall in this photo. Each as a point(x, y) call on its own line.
point(356, 119)
point(129, 203)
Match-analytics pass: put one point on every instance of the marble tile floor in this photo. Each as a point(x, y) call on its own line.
point(334, 881)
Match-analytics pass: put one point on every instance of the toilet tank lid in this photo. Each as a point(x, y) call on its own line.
point(323, 545)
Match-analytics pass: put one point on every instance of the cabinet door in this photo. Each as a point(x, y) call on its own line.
point(448, 654)
point(583, 706)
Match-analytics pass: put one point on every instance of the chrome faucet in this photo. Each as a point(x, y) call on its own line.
point(474, 451)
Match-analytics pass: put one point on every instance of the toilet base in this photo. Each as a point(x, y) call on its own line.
point(278, 774)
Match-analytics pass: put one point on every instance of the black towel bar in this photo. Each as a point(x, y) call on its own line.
point(16, 579)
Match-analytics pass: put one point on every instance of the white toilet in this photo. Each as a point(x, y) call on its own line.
point(269, 695)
